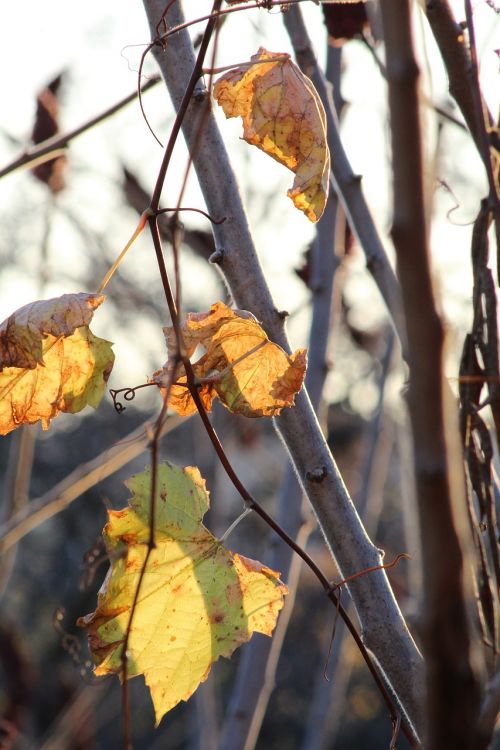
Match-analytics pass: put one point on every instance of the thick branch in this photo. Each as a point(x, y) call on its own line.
point(383, 626)
point(256, 674)
point(452, 691)
point(347, 183)
point(462, 68)
point(450, 40)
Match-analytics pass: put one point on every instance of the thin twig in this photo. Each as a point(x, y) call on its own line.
point(84, 477)
point(55, 146)
point(451, 42)
point(151, 213)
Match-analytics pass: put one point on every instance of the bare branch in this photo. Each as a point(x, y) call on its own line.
point(56, 145)
point(451, 42)
point(79, 481)
point(255, 679)
point(462, 68)
point(452, 688)
point(347, 183)
point(383, 626)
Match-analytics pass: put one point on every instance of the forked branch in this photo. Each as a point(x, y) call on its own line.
point(383, 626)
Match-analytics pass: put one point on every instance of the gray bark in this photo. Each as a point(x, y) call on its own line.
point(383, 627)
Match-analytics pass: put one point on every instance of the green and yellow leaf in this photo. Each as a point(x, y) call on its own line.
point(282, 115)
point(250, 374)
point(198, 600)
point(50, 361)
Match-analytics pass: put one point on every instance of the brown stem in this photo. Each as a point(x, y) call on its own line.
point(452, 689)
point(450, 40)
point(186, 100)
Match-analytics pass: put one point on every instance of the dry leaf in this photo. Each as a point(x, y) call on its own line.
point(47, 125)
point(282, 115)
point(198, 600)
point(50, 361)
point(251, 375)
point(345, 21)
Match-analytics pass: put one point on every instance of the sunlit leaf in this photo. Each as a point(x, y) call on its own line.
point(283, 115)
point(50, 361)
point(198, 601)
point(251, 375)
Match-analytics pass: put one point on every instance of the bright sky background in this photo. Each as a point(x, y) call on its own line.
point(100, 48)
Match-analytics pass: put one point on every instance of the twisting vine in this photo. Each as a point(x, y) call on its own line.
point(180, 356)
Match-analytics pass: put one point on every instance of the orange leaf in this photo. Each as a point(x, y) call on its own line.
point(251, 375)
point(50, 361)
point(282, 115)
point(22, 334)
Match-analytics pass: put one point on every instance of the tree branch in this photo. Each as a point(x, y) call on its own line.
point(79, 481)
point(348, 184)
point(462, 69)
point(383, 626)
point(452, 689)
point(56, 145)
point(451, 43)
point(16, 488)
point(255, 678)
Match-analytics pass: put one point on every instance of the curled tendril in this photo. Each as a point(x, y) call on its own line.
point(73, 647)
point(128, 395)
point(92, 560)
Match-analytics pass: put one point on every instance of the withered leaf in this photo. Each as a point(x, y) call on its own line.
point(250, 374)
point(47, 125)
point(282, 115)
point(50, 361)
point(345, 21)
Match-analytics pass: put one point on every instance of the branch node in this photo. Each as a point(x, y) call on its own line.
point(217, 256)
point(317, 474)
point(200, 93)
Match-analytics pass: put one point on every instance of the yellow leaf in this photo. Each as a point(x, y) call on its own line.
point(251, 375)
point(283, 115)
point(198, 601)
point(50, 361)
